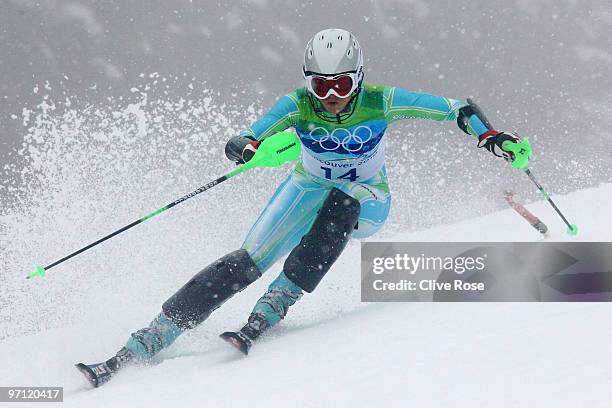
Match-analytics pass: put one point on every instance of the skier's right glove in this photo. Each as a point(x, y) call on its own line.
point(241, 149)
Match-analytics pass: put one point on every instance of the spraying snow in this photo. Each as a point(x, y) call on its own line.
point(334, 350)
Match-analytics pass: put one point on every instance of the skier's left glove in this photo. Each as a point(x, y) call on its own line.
point(508, 146)
point(241, 149)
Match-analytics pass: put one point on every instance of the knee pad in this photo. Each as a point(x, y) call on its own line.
point(322, 245)
point(210, 288)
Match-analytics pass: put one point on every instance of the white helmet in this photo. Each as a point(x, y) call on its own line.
point(332, 52)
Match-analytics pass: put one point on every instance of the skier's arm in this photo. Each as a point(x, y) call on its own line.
point(280, 117)
point(403, 104)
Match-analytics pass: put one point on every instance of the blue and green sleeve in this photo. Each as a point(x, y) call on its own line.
point(399, 104)
point(281, 116)
point(403, 104)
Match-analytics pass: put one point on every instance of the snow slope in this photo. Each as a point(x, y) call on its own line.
point(590, 209)
point(333, 350)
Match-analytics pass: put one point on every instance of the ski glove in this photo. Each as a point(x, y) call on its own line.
point(493, 140)
point(507, 145)
point(241, 149)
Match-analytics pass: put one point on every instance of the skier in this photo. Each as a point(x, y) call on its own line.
point(337, 190)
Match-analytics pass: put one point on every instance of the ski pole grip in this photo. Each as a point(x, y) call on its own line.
point(276, 150)
point(521, 151)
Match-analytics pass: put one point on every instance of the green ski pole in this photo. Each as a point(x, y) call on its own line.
point(572, 229)
point(521, 152)
point(274, 151)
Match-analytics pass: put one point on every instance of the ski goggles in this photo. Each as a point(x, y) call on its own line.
point(341, 85)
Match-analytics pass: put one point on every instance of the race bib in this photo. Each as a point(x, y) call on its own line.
point(340, 170)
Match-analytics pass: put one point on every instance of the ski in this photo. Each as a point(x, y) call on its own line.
point(100, 373)
point(238, 340)
point(534, 221)
point(243, 339)
point(95, 374)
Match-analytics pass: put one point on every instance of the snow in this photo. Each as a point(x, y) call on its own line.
point(589, 209)
point(333, 350)
point(90, 148)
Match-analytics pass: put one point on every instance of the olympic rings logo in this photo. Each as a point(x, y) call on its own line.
point(342, 137)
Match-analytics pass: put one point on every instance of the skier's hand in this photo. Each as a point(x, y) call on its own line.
point(507, 145)
point(241, 149)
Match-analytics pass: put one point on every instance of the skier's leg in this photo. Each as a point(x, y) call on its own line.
point(188, 307)
point(273, 305)
point(375, 202)
point(351, 209)
point(140, 347)
point(285, 220)
point(312, 258)
point(194, 302)
point(147, 342)
point(307, 263)
point(268, 311)
point(286, 215)
point(295, 205)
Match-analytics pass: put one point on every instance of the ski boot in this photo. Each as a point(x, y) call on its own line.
point(101, 373)
point(244, 338)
